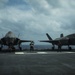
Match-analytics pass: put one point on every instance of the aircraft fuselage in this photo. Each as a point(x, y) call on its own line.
point(10, 41)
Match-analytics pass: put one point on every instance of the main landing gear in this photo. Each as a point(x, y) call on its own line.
point(1, 47)
point(11, 48)
point(59, 47)
point(20, 48)
point(70, 48)
point(53, 47)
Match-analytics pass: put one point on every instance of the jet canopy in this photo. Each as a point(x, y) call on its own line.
point(10, 35)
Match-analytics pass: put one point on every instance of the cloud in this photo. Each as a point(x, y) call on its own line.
point(3, 3)
point(36, 17)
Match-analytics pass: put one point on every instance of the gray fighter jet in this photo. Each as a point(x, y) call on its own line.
point(62, 41)
point(11, 40)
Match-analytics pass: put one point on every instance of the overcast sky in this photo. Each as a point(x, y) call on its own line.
point(32, 19)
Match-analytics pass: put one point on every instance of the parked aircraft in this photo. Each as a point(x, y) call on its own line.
point(11, 40)
point(62, 41)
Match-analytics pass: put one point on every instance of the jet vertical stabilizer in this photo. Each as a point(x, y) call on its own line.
point(61, 35)
point(48, 36)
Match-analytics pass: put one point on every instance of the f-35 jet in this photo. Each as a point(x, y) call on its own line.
point(62, 41)
point(11, 40)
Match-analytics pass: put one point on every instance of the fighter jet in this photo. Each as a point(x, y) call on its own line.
point(62, 41)
point(11, 40)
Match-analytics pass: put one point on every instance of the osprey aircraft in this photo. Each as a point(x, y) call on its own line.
point(11, 40)
point(62, 41)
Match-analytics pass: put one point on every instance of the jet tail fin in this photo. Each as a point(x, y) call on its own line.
point(61, 35)
point(48, 36)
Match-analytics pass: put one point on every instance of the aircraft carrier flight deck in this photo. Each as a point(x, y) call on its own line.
point(37, 63)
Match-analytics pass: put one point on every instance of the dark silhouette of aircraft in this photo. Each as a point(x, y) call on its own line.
point(62, 41)
point(11, 40)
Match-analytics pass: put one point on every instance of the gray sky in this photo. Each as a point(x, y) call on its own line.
point(32, 19)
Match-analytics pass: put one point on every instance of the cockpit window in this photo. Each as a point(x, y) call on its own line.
point(10, 35)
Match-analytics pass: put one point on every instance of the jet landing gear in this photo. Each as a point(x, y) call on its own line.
point(59, 48)
point(53, 48)
point(70, 48)
point(20, 48)
point(1, 47)
point(11, 48)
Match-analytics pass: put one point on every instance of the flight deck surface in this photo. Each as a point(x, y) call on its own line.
point(37, 63)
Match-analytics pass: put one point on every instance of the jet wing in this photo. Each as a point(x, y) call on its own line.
point(50, 41)
point(45, 41)
point(25, 41)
